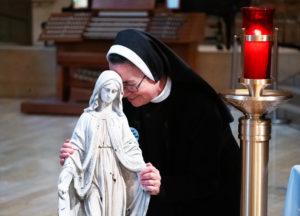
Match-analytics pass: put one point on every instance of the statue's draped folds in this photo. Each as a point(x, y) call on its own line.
point(106, 163)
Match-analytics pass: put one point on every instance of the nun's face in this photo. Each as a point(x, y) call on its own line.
point(131, 75)
point(109, 93)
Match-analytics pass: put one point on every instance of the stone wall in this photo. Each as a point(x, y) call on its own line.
point(27, 71)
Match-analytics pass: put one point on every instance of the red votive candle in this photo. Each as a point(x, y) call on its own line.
point(257, 62)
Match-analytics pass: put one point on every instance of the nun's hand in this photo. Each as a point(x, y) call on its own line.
point(65, 151)
point(150, 178)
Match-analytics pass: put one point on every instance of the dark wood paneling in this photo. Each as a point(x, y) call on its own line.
point(15, 21)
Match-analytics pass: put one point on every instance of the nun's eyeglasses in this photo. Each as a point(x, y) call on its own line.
point(133, 88)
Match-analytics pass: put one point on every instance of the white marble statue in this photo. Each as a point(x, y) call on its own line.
point(102, 177)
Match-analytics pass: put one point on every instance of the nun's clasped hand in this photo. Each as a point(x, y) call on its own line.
point(65, 151)
point(151, 179)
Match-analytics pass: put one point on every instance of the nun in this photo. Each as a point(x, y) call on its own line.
point(183, 129)
point(102, 177)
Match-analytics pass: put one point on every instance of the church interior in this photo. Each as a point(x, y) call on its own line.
point(49, 62)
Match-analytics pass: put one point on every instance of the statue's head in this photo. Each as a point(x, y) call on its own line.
point(108, 89)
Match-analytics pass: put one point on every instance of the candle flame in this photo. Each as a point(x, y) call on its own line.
point(257, 32)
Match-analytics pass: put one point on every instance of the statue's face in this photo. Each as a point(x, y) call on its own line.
point(109, 93)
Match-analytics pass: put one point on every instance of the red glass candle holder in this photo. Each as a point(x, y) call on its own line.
point(258, 25)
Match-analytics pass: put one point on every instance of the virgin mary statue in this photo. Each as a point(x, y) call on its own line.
point(101, 178)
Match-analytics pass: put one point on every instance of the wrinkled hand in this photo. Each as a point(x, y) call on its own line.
point(65, 151)
point(151, 179)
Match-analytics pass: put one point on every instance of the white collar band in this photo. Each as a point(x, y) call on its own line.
point(131, 56)
point(165, 93)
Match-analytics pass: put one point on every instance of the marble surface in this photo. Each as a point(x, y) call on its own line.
point(29, 164)
point(29, 148)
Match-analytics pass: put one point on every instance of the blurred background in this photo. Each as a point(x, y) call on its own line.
point(51, 52)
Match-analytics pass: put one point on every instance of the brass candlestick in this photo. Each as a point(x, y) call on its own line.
point(256, 102)
point(254, 135)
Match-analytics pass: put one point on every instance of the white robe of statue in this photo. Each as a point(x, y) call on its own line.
point(101, 177)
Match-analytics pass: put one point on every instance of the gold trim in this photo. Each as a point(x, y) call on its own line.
point(260, 38)
point(255, 86)
point(259, 105)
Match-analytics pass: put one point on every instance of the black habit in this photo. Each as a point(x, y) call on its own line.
point(186, 137)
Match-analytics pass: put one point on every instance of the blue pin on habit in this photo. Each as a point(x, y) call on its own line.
point(135, 133)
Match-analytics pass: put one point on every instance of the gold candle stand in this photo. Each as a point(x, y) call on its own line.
point(254, 134)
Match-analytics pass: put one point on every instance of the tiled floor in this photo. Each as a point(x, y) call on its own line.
point(29, 165)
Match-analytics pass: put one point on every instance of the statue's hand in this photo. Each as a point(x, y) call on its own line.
point(62, 191)
point(65, 179)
